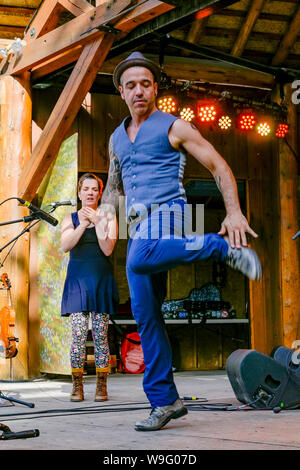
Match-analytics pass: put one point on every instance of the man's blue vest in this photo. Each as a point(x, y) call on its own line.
point(152, 170)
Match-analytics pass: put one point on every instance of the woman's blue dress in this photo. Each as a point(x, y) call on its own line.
point(90, 285)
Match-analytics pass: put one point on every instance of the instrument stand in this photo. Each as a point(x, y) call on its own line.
point(8, 434)
point(4, 402)
point(29, 218)
point(14, 400)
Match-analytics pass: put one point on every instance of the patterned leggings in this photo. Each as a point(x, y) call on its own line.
point(80, 328)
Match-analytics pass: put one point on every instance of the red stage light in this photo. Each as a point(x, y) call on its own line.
point(246, 121)
point(282, 130)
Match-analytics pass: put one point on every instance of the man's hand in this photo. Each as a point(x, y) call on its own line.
point(236, 226)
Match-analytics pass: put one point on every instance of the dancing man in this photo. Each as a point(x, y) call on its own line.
point(147, 157)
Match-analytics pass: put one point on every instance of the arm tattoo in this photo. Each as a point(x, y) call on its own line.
point(113, 188)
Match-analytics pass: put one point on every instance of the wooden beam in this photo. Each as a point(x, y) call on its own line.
point(14, 10)
point(56, 63)
point(80, 31)
point(46, 19)
point(167, 22)
point(15, 149)
point(195, 32)
point(245, 31)
point(76, 7)
point(138, 16)
point(79, 83)
point(289, 248)
point(288, 40)
point(19, 30)
point(201, 70)
point(63, 115)
point(62, 38)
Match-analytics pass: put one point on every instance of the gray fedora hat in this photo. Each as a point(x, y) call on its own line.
point(136, 59)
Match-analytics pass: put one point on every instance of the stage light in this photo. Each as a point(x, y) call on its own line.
point(246, 121)
point(207, 113)
point(187, 113)
point(282, 130)
point(225, 122)
point(167, 104)
point(264, 129)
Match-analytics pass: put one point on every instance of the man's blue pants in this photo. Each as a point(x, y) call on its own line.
point(148, 260)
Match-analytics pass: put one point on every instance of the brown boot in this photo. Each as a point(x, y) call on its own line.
point(77, 392)
point(101, 386)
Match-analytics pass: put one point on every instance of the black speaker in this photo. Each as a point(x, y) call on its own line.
point(261, 381)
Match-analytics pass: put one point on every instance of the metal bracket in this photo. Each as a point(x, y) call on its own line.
point(103, 27)
point(175, 3)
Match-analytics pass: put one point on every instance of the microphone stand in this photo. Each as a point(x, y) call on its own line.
point(7, 433)
point(29, 218)
point(34, 216)
point(296, 236)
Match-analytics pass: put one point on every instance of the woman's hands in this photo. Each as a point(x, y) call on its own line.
point(88, 216)
point(106, 226)
point(98, 218)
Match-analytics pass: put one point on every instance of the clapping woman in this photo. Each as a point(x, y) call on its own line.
point(90, 289)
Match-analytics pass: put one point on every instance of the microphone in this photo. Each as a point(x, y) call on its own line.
point(20, 435)
point(39, 212)
point(62, 203)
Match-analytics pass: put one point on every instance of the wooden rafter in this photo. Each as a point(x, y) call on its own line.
point(63, 114)
point(141, 34)
point(80, 31)
point(82, 38)
point(92, 55)
point(245, 31)
point(196, 31)
point(46, 19)
point(288, 40)
point(60, 39)
point(204, 70)
point(12, 29)
point(76, 8)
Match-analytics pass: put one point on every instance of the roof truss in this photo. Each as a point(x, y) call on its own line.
point(86, 39)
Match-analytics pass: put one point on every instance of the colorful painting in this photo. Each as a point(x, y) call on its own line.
point(52, 262)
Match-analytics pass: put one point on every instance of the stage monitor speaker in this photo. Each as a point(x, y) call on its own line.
point(288, 358)
point(261, 380)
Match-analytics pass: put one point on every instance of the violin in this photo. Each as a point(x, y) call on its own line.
point(8, 347)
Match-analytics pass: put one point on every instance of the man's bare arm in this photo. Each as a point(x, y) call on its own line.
point(114, 187)
point(186, 136)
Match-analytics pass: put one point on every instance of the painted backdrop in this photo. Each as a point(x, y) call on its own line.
point(55, 331)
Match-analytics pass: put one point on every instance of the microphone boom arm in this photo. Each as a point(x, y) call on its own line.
point(34, 216)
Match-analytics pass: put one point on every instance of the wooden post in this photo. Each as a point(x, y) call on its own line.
point(15, 148)
point(289, 248)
